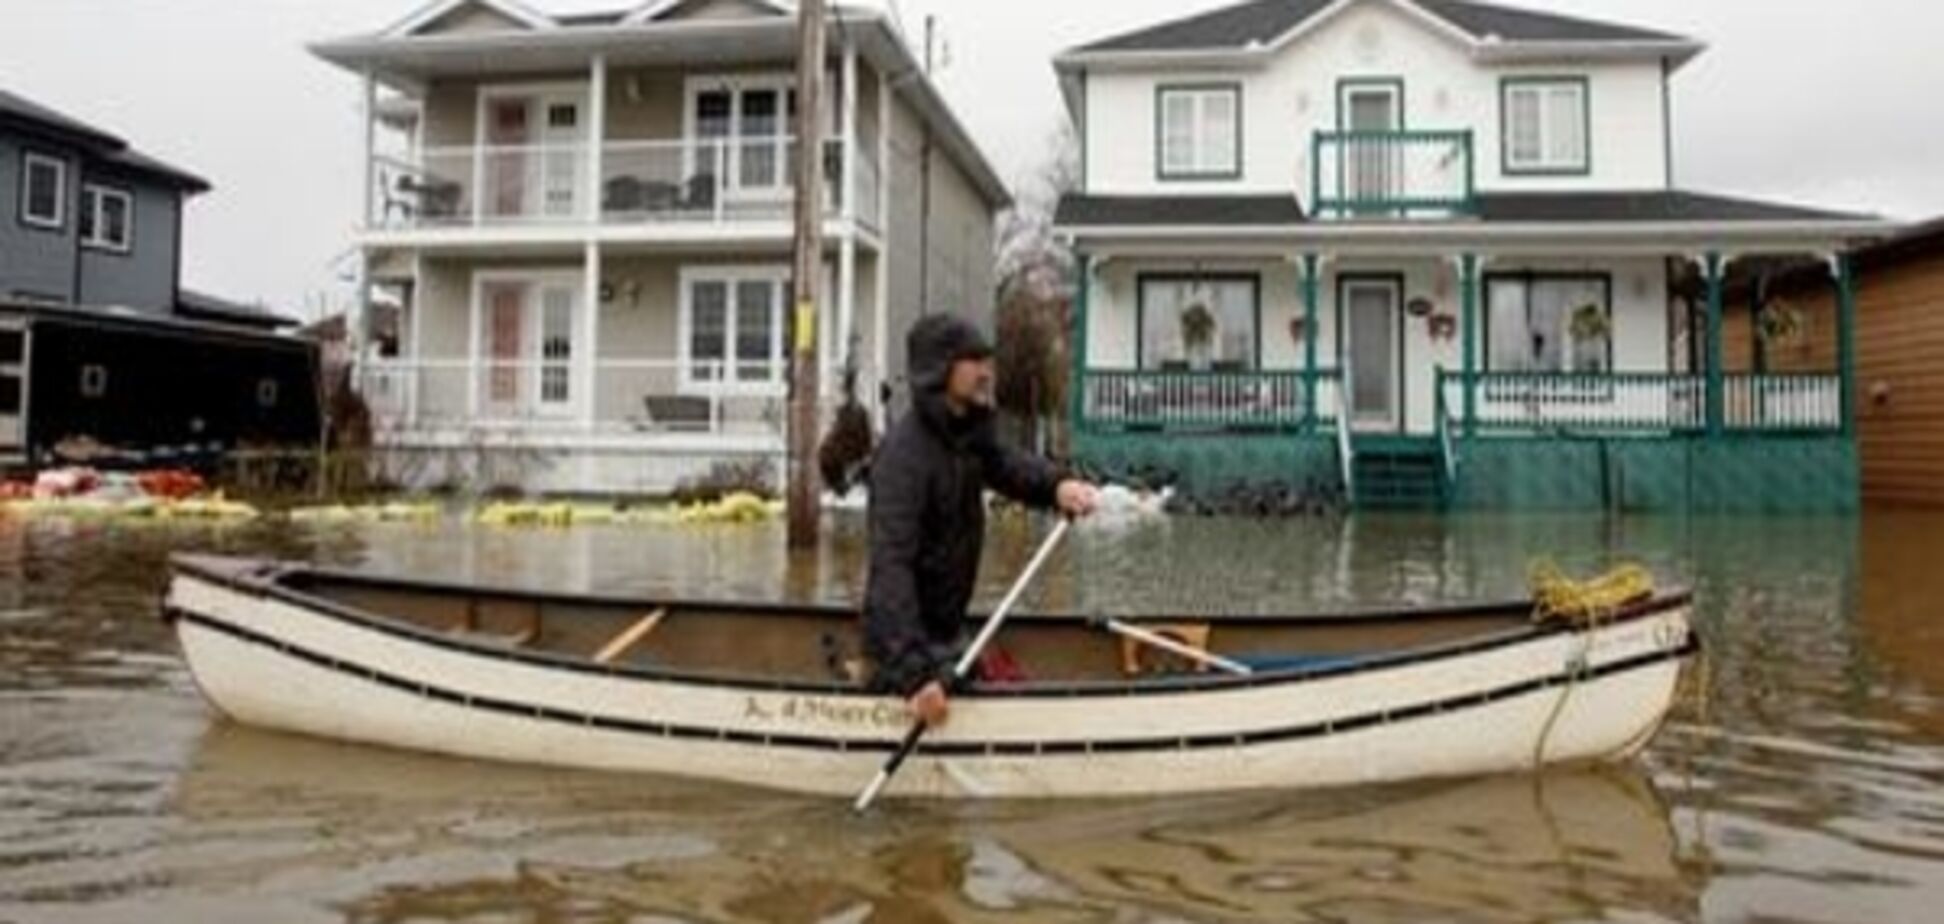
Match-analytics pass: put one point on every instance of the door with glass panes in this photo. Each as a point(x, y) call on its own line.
point(530, 337)
point(533, 156)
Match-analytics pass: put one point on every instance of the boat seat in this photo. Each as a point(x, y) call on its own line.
point(1138, 659)
point(497, 639)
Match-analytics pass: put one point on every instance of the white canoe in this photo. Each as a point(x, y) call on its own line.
point(753, 693)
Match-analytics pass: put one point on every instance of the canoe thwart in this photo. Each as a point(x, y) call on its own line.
point(630, 637)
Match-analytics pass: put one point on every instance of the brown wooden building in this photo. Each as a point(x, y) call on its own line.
point(1899, 353)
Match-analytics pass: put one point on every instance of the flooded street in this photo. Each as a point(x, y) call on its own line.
point(1805, 782)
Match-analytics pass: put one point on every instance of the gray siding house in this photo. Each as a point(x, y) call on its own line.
point(93, 313)
point(84, 218)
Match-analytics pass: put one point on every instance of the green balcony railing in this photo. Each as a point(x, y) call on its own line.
point(1205, 401)
point(1392, 174)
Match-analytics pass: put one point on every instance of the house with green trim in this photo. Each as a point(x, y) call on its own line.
point(1429, 253)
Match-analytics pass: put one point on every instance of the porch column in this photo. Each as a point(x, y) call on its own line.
point(847, 201)
point(881, 322)
point(590, 362)
point(1468, 345)
point(1077, 339)
point(596, 136)
point(847, 296)
point(371, 147)
point(847, 197)
point(1312, 265)
point(1843, 266)
point(1711, 271)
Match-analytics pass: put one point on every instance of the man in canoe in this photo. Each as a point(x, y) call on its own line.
point(927, 516)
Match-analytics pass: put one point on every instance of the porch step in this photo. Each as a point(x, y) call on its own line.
point(1399, 475)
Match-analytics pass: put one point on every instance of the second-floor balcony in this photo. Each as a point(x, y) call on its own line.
point(1392, 174)
point(675, 182)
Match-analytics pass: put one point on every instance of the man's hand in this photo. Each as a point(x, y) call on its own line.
point(1076, 498)
point(929, 705)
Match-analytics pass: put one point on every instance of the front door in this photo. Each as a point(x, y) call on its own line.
point(1372, 165)
point(530, 340)
point(1372, 360)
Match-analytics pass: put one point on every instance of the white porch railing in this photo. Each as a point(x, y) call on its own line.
point(1783, 403)
point(620, 396)
point(1648, 403)
point(650, 181)
point(1205, 400)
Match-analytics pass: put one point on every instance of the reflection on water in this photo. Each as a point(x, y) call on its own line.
point(1804, 785)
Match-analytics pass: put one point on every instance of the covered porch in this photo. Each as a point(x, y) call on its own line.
point(1350, 352)
point(625, 352)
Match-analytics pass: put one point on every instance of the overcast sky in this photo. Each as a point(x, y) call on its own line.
point(1838, 104)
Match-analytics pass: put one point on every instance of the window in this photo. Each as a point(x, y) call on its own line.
point(106, 221)
point(1200, 132)
point(94, 381)
point(1199, 324)
point(732, 320)
point(43, 190)
point(1546, 123)
point(746, 125)
point(1549, 323)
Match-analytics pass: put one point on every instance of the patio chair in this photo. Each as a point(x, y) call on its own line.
point(677, 413)
point(700, 195)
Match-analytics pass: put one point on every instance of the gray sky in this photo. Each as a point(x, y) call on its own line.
point(1827, 103)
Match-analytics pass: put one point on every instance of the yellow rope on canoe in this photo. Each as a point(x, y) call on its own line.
point(1559, 598)
point(1582, 605)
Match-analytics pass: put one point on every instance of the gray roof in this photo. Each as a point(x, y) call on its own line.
point(1260, 22)
point(1239, 211)
point(204, 307)
point(1247, 211)
point(16, 108)
point(1649, 206)
point(109, 148)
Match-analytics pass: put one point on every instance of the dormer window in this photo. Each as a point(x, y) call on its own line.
point(1199, 132)
point(1547, 125)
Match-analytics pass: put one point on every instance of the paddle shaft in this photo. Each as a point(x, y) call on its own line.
point(1157, 640)
point(966, 662)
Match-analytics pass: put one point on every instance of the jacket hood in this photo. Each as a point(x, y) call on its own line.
point(934, 344)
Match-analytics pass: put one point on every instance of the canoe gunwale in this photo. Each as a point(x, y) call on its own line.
point(268, 580)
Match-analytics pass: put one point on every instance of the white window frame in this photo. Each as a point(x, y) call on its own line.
point(736, 85)
point(28, 161)
point(1204, 166)
point(94, 240)
point(1544, 88)
point(727, 383)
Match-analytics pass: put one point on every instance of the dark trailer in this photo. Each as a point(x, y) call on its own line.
point(163, 390)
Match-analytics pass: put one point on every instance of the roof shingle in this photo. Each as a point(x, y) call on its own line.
point(1619, 207)
point(1260, 22)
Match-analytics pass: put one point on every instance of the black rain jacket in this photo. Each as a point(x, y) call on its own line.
point(927, 513)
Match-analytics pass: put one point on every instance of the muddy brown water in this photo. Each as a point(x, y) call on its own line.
point(1807, 784)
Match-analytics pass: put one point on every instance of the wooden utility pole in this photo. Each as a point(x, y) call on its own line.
point(804, 504)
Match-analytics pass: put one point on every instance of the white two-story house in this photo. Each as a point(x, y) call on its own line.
point(1427, 252)
point(583, 225)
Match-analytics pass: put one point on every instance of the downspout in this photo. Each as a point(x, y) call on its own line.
point(1667, 119)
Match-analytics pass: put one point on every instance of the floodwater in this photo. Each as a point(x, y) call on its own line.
point(1805, 782)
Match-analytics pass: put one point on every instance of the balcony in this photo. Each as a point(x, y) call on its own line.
point(613, 397)
point(666, 182)
point(1376, 175)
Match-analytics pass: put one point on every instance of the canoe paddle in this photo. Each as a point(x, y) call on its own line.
point(966, 662)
